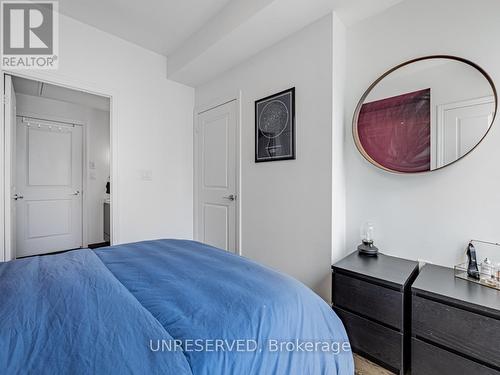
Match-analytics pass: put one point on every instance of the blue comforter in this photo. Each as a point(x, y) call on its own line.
point(67, 314)
point(167, 306)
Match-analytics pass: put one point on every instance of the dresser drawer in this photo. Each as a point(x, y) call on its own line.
point(427, 359)
point(465, 332)
point(366, 337)
point(373, 301)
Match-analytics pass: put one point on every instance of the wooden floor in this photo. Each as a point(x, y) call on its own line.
point(365, 367)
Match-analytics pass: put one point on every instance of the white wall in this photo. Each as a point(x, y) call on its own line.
point(339, 249)
point(151, 129)
point(286, 206)
point(430, 216)
point(97, 132)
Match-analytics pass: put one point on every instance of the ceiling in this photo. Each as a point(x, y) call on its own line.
point(158, 25)
point(203, 38)
point(163, 26)
point(46, 90)
point(241, 31)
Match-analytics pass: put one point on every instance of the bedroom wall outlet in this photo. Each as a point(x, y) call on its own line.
point(146, 175)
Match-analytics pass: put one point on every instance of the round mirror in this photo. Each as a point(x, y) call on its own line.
point(424, 114)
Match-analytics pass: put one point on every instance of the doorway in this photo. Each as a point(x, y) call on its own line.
point(216, 171)
point(57, 158)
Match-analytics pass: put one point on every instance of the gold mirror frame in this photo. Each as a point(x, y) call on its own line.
point(355, 134)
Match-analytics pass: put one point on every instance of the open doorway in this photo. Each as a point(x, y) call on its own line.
point(57, 157)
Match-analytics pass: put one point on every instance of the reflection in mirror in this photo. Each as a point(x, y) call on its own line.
point(424, 114)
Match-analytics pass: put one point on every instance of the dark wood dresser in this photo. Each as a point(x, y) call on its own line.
point(455, 325)
point(371, 295)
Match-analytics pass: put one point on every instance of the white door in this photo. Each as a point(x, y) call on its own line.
point(215, 171)
point(461, 126)
point(10, 170)
point(49, 187)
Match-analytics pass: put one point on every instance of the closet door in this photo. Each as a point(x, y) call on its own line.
point(49, 184)
point(215, 171)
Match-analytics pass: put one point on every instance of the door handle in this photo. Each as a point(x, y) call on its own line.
point(77, 192)
point(230, 197)
point(18, 196)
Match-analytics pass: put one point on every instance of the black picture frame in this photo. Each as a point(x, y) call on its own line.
point(275, 127)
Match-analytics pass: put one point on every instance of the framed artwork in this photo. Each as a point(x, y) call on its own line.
point(275, 127)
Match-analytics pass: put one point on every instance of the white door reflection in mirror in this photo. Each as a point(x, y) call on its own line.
point(460, 127)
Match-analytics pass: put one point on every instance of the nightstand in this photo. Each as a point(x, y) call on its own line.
point(371, 295)
point(455, 325)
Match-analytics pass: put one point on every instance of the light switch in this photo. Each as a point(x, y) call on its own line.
point(91, 165)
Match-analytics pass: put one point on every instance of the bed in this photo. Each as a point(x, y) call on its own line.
point(163, 307)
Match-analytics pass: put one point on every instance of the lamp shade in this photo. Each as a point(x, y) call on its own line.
point(367, 232)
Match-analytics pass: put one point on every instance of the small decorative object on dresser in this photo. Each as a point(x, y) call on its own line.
point(455, 325)
point(487, 274)
point(472, 269)
point(367, 238)
point(275, 127)
point(371, 295)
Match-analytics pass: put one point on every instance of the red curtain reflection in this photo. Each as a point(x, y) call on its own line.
point(396, 132)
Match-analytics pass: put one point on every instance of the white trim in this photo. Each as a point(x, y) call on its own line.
point(9, 253)
point(217, 102)
point(3, 251)
point(74, 84)
point(85, 185)
point(440, 112)
point(237, 97)
point(239, 121)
